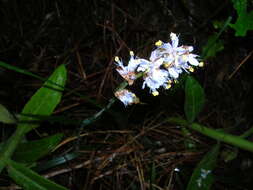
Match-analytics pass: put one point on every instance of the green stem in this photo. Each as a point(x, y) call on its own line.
point(214, 134)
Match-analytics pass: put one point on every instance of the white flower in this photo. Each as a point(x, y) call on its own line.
point(164, 67)
point(127, 97)
point(154, 79)
point(154, 76)
point(128, 72)
point(176, 59)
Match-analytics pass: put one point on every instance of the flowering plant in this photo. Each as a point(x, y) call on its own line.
point(162, 69)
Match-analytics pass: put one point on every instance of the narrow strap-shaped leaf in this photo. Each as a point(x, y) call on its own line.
point(202, 177)
point(31, 151)
point(30, 180)
point(43, 102)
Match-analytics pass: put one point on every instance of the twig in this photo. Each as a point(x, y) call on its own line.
point(239, 66)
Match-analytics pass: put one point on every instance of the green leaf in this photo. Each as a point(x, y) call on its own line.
point(5, 116)
point(202, 177)
point(30, 180)
point(42, 103)
point(244, 21)
point(213, 46)
point(31, 151)
point(194, 98)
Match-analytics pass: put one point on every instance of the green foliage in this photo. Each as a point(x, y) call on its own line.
point(244, 21)
point(28, 179)
point(215, 134)
point(194, 98)
point(5, 116)
point(31, 151)
point(42, 103)
point(202, 177)
point(213, 46)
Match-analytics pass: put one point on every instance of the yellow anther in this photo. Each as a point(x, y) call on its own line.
point(155, 93)
point(131, 53)
point(159, 43)
point(166, 64)
point(116, 58)
point(201, 64)
point(168, 86)
point(191, 69)
point(170, 81)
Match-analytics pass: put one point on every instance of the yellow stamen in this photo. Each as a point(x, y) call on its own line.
point(155, 93)
point(116, 58)
point(201, 64)
point(166, 64)
point(168, 86)
point(131, 53)
point(159, 43)
point(175, 81)
point(170, 81)
point(191, 69)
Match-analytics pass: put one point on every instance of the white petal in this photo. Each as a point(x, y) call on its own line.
point(154, 55)
point(193, 61)
point(167, 47)
point(133, 64)
point(174, 40)
point(173, 73)
point(127, 97)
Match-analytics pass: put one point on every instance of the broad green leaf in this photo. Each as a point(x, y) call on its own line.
point(202, 177)
point(30, 180)
point(31, 151)
point(194, 98)
point(5, 116)
point(42, 103)
point(244, 21)
point(213, 46)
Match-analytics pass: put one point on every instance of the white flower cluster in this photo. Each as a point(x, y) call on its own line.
point(164, 66)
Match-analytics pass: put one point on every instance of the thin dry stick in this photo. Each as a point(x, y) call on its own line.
point(239, 66)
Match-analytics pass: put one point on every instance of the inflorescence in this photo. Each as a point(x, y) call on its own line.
point(163, 68)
